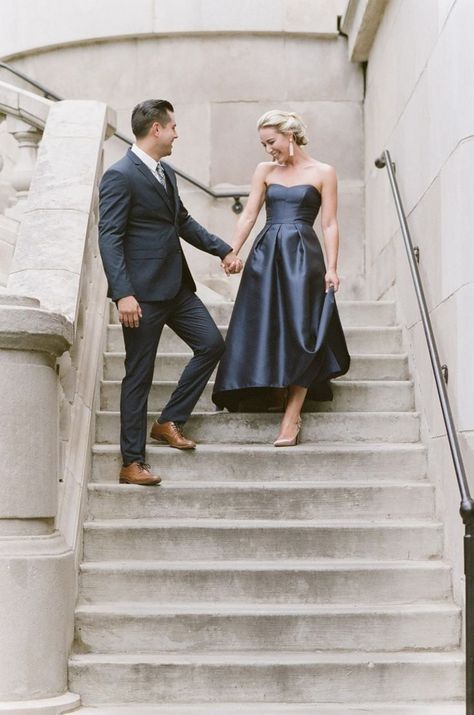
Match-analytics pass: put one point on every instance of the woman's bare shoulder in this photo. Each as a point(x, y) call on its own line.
point(326, 170)
point(262, 171)
point(321, 165)
point(264, 168)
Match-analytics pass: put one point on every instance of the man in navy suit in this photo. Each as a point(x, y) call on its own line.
point(141, 220)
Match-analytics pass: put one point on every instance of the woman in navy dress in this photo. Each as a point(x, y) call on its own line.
point(285, 336)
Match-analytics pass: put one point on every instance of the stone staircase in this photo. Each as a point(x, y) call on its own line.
point(258, 580)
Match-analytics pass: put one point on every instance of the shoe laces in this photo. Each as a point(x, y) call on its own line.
point(144, 467)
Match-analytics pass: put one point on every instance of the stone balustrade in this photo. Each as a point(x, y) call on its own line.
point(24, 115)
point(51, 321)
point(27, 138)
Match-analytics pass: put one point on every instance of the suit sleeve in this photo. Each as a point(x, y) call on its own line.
point(195, 234)
point(114, 204)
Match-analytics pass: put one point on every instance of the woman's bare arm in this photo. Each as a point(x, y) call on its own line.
point(252, 208)
point(330, 226)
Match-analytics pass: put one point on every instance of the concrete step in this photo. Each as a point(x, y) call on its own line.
point(216, 589)
point(355, 396)
point(287, 581)
point(273, 676)
point(196, 539)
point(189, 627)
point(262, 500)
point(228, 462)
point(169, 366)
point(367, 340)
point(352, 313)
point(225, 708)
point(257, 428)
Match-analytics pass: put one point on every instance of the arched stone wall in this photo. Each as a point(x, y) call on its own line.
point(222, 65)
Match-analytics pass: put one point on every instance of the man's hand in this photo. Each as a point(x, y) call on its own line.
point(232, 263)
point(129, 311)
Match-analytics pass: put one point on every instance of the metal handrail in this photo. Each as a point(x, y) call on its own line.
point(440, 372)
point(235, 194)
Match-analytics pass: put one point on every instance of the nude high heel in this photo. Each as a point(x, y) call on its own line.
point(287, 442)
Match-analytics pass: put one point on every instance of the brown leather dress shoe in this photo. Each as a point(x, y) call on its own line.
point(138, 473)
point(170, 433)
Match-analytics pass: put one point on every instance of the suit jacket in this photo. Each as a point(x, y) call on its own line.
point(139, 228)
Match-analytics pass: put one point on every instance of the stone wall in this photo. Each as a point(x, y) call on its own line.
point(419, 106)
point(222, 65)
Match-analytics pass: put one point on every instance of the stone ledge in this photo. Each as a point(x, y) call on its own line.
point(46, 706)
point(59, 221)
point(41, 546)
point(24, 105)
point(25, 326)
point(360, 23)
point(26, 28)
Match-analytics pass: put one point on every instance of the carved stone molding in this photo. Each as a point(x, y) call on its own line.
point(360, 24)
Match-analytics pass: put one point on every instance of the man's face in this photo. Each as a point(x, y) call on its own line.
point(166, 135)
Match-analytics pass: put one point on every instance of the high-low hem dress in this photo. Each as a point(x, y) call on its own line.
point(285, 328)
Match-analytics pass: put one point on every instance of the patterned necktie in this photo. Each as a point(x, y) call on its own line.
point(161, 175)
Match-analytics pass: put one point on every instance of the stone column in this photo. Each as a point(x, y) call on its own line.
point(36, 566)
point(28, 138)
point(8, 224)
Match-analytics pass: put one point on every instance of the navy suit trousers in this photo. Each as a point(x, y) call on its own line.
point(186, 315)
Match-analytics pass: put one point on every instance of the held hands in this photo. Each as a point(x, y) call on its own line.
point(331, 280)
point(231, 263)
point(129, 311)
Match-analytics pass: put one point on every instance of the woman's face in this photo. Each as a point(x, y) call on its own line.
point(275, 143)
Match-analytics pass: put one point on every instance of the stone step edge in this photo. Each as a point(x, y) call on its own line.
point(349, 329)
point(377, 708)
point(266, 658)
point(181, 354)
point(268, 485)
point(248, 608)
point(216, 414)
point(231, 524)
point(275, 417)
point(342, 302)
point(255, 565)
point(346, 383)
point(324, 447)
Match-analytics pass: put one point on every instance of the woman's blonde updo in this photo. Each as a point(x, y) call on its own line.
point(285, 123)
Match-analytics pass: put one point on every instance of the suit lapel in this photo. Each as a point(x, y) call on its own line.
point(145, 171)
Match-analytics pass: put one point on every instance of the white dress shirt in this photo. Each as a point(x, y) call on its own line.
point(148, 160)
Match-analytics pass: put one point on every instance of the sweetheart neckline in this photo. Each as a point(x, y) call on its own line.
point(293, 186)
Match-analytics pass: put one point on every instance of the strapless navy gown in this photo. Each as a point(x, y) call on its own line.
point(285, 329)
